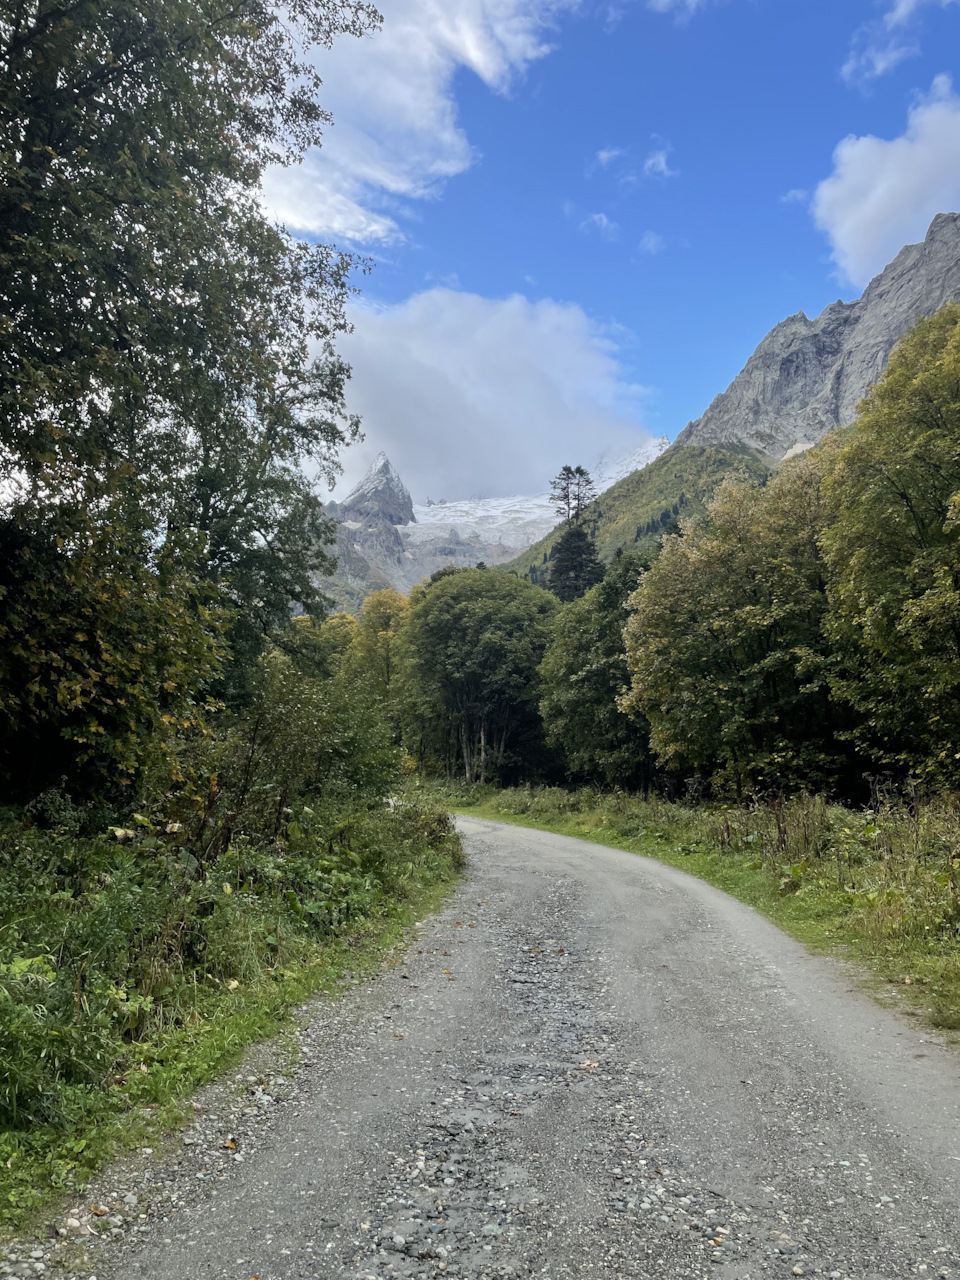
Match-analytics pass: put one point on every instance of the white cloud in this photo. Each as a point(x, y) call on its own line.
point(796, 196)
point(652, 242)
point(875, 53)
point(879, 47)
point(656, 166)
point(396, 135)
point(904, 10)
point(607, 155)
point(601, 223)
point(470, 395)
point(884, 193)
point(684, 7)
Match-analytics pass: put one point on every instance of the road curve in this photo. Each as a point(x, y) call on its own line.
point(590, 1065)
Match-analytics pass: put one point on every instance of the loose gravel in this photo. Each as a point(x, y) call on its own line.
point(589, 1065)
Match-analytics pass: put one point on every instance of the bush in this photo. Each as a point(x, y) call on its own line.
point(116, 928)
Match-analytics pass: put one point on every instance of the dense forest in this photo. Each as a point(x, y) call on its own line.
point(802, 633)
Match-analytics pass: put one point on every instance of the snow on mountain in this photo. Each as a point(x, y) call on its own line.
point(517, 521)
point(384, 539)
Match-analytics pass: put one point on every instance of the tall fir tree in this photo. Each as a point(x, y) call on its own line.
point(575, 566)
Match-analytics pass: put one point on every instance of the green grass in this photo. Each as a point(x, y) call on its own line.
point(864, 894)
point(149, 1101)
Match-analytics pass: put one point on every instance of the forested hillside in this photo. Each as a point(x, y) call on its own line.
point(636, 512)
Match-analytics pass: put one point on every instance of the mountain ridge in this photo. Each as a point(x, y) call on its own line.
point(384, 539)
point(808, 376)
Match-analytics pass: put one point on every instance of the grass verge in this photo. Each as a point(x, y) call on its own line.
point(151, 1099)
point(863, 896)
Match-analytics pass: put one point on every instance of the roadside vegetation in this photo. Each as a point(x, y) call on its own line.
point(878, 885)
point(197, 828)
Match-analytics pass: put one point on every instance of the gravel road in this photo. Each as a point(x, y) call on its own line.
point(590, 1065)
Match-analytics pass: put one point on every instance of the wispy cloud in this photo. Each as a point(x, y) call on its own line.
point(683, 8)
point(397, 137)
point(606, 156)
point(600, 223)
point(795, 196)
point(883, 193)
point(879, 47)
point(652, 243)
point(656, 165)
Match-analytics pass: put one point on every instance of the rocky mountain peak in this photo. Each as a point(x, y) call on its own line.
point(381, 494)
point(808, 376)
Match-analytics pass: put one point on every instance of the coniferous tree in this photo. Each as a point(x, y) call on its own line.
point(572, 491)
point(582, 675)
point(575, 566)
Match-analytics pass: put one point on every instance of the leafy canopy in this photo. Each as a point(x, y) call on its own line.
point(583, 673)
point(725, 644)
point(892, 546)
point(475, 639)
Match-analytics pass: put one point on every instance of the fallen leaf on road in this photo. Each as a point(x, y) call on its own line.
point(230, 1144)
point(100, 1212)
point(446, 971)
point(589, 1066)
point(397, 1035)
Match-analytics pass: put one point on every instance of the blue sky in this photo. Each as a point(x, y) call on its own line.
point(584, 216)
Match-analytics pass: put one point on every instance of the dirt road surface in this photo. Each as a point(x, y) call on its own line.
point(590, 1065)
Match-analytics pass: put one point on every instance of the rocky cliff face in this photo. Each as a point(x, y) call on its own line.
point(808, 376)
point(380, 495)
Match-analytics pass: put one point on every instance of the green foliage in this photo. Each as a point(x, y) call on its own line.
point(635, 512)
point(574, 564)
point(473, 644)
point(583, 674)
point(572, 491)
point(374, 658)
point(127, 228)
point(892, 546)
point(725, 646)
point(166, 351)
point(108, 647)
point(118, 933)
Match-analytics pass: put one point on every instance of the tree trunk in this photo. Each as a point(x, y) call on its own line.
point(467, 754)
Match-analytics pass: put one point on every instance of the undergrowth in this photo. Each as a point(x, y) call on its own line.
point(126, 980)
point(883, 883)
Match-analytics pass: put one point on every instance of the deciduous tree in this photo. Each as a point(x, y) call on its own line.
point(474, 642)
point(725, 646)
point(892, 547)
